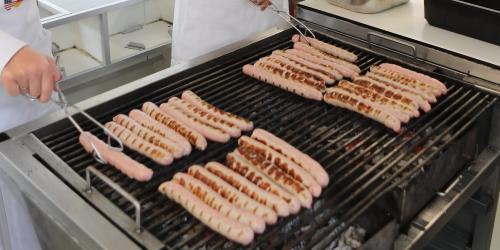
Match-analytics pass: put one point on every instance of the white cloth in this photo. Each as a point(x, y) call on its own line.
point(20, 26)
point(201, 26)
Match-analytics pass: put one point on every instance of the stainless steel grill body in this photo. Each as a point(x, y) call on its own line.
point(366, 162)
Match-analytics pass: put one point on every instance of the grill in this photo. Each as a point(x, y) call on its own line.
point(365, 161)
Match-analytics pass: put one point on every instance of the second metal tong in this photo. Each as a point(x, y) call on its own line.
point(286, 16)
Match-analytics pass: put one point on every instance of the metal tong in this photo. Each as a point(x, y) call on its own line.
point(64, 105)
point(286, 16)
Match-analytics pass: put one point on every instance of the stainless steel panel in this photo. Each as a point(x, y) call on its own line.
point(367, 6)
point(62, 205)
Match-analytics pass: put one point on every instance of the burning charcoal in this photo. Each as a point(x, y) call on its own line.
point(305, 228)
point(332, 245)
point(343, 248)
point(377, 158)
point(299, 246)
point(428, 131)
point(341, 243)
point(354, 243)
point(361, 232)
point(317, 205)
point(421, 161)
point(227, 245)
point(319, 131)
point(402, 163)
point(323, 213)
point(290, 225)
point(332, 221)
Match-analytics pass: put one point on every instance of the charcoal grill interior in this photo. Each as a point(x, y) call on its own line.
point(364, 160)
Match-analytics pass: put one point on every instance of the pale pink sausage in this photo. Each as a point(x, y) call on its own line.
point(206, 117)
point(330, 72)
point(149, 136)
point(375, 100)
point(277, 175)
point(150, 123)
point(119, 160)
point(426, 92)
point(285, 164)
point(387, 90)
point(194, 99)
point(139, 145)
point(418, 97)
point(327, 48)
point(228, 228)
point(419, 76)
point(250, 189)
point(302, 67)
point(306, 78)
point(303, 160)
point(232, 194)
point(210, 132)
point(193, 136)
point(286, 84)
point(237, 163)
point(340, 98)
point(217, 202)
point(343, 70)
point(313, 51)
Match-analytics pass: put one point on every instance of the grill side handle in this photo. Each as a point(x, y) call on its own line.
point(88, 176)
point(382, 37)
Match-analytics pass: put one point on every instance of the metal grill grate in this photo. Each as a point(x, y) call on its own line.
point(364, 159)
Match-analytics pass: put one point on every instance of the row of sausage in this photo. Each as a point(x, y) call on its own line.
point(166, 132)
point(263, 179)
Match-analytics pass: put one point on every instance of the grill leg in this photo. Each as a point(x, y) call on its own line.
point(485, 222)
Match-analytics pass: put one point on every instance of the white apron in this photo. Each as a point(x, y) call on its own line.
point(19, 26)
point(201, 26)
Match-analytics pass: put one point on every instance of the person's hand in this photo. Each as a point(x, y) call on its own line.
point(262, 3)
point(32, 73)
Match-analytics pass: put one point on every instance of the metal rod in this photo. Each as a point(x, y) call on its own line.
point(92, 170)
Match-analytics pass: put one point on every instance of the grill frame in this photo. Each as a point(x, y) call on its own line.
point(180, 75)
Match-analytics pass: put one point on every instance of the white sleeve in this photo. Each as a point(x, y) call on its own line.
point(9, 46)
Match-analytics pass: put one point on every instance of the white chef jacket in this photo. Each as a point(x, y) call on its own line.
point(20, 26)
point(201, 26)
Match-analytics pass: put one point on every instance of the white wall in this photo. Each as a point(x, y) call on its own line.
point(167, 10)
point(147, 12)
point(66, 35)
point(90, 37)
